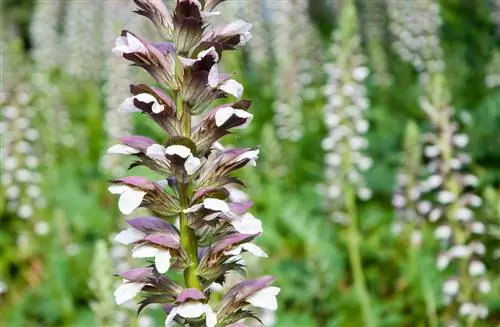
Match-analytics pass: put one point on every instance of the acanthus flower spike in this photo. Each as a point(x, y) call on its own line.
point(215, 229)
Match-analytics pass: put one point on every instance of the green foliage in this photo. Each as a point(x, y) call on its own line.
point(49, 285)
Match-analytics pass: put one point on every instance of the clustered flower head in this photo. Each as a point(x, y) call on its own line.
point(375, 34)
point(44, 34)
point(415, 26)
point(82, 39)
point(492, 78)
point(212, 232)
point(116, 85)
point(345, 119)
point(445, 195)
point(20, 161)
point(291, 41)
point(450, 190)
point(407, 196)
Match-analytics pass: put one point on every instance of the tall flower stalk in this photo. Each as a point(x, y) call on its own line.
point(82, 39)
point(211, 233)
point(291, 31)
point(448, 195)
point(44, 34)
point(345, 161)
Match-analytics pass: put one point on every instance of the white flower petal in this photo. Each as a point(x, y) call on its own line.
point(216, 205)
point(210, 316)
point(145, 98)
point(254, 249)
point(127, 106)
point(213, 76)
point(129, 236)
point(145, 251)
point(245, 115)
point(209, 52)
point(156, 151)
point(194, 208)
point(170, 317)
point(134, 44)
point(157, 108)
point(265, 298)
point(122, 149)
point(222, 115)
point(120, 46)
point(235, 251)
point(191, 309)
point(127, 291)
point(162, 261)
point(252, 155)
point(180, 150)
point(130, 200)
point(192, 164)
point(247, 224)
point(232, 87)
point(237, 27)
point(118, 188)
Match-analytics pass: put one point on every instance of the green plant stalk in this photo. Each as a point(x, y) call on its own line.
point(430, 303)
point(188, 236)
point(355, 259)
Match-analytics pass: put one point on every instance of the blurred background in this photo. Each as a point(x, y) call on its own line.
point(378, 126)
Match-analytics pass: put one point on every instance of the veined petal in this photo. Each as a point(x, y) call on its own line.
point(192, 164)
point(122, 149)
point(129, 236)
point(265, 298)
point(162, 261)
point(127, 291)
point(232, 87)
point(130, 200)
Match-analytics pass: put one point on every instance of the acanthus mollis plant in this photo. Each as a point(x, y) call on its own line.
point(197, 172)
point(44, 34)
point(451, 191)
point(82, 39)
point(492, 78)
point(292, 34)
point(374, 32)
point(345, 143)
point(415, 29)
point(406, 198)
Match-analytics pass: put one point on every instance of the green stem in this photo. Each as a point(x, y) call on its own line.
point(188, 236)
point(430, 303)
point(188, 241)
point(355, 259)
